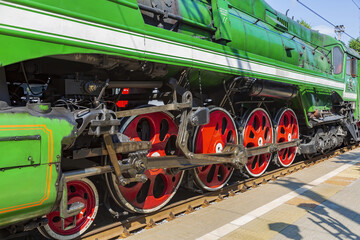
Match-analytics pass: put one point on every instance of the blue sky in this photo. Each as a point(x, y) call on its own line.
point(339, 12)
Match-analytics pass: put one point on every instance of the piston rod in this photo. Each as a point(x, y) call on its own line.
point(87, 172)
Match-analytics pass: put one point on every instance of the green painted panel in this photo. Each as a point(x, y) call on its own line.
point(260, 9)
point(28, 48)
point(23, 191)
point(315, 99)
point(24, 46)
point(243, 5)
point(276, 49)
point(238, 34)
point(256, 37)
point(196, 10)
point(111, 13)
point(221, 20)
point(290, 50)
point(30, 191)
point(252, 37)
point(20, 153)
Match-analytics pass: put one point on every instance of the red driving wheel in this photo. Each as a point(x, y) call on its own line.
point(258, 131)
point(287, 130)
point(160, 129)
point(212, 138)
point(82, 191)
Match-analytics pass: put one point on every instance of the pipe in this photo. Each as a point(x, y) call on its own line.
point(272, 89)
point(135, 84)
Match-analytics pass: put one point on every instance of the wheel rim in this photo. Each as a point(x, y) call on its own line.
point(161, 131)
point(287, 130)
point(257, 132)
point(82, 191)
point(211, 138)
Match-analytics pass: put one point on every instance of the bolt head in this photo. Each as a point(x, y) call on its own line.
point(124, 181)
point(143, 178)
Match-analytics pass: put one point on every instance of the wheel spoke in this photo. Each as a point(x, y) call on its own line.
point(217, 172)
point(213, 140)
point(256, 163)
point(132, 190)
point(151, 188)
point(204, 170)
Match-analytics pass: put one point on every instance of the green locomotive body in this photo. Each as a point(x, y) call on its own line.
point(238, 55)
point(257, 42)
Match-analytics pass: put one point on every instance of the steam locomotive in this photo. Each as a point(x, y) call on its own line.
point(146, 95)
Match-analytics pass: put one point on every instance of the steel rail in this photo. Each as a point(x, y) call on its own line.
point(124, 228)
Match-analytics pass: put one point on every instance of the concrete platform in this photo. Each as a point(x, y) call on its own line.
point(321, 202)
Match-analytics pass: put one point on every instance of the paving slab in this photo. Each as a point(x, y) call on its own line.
point(336, 218)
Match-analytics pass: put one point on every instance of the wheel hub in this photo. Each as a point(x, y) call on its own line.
point(155, 154)
point(219, 148)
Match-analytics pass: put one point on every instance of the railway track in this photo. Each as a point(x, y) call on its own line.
point(125, 228)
